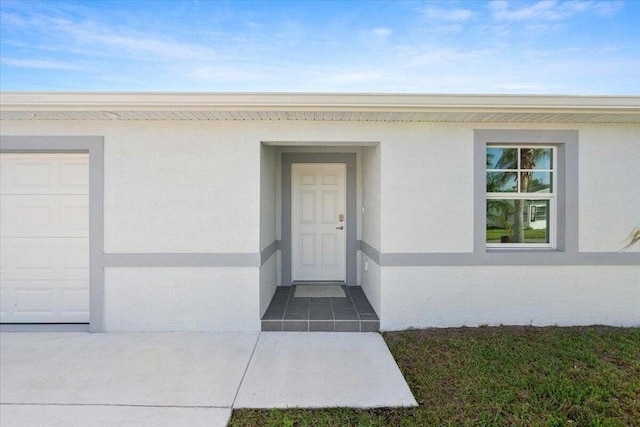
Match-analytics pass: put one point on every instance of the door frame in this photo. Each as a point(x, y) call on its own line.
point(351, 194)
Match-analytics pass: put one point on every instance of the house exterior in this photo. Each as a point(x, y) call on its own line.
point(184, 212)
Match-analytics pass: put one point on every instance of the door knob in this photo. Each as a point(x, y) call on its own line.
point(340, 228)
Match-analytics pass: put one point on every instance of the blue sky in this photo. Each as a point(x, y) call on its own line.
point(585, 47)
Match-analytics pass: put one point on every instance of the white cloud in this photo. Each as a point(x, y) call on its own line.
point(549, 10)
point(71, 35)
point(42, 64)
point(382, 32)
point(435, 55)
point(225, 73)
point(341, 78)
point(448, 15)
point(135, 43)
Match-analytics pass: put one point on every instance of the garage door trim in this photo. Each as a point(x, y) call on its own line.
point(94, 146)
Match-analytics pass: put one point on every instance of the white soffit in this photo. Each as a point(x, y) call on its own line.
point(319, 107)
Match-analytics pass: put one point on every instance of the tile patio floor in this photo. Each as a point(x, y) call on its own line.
point(294, 314)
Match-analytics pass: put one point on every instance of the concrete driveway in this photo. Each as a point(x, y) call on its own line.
point(193, 379)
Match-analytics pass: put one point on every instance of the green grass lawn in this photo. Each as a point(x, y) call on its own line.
point(582, 376)
point(496, 233)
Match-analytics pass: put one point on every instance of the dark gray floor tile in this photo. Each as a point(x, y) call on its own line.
point(347, 326)
point(320, 312)
point(297, 310)
point(341, 303)
point(356, 291)
point(272, 314)
point(277, 307)
point(359, 300)
point(316, 313)
point(364, 307)
point(271, 325)
point(321, 326)
point(296, 316)
point(369, 326)
point(345, 314)
point(367, 316)
point(358, 296)
point(279, 299)
point(278, 302)
point(295, 326)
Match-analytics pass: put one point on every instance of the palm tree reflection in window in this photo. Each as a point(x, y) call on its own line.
point(516, 166)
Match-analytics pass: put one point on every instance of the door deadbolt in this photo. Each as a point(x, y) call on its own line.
point(341, 217)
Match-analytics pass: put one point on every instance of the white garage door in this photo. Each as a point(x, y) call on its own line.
point(44, 238)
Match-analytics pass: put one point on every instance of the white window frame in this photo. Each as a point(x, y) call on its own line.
point(552, 214)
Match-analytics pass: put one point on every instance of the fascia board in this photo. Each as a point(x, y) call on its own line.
point(130, 101)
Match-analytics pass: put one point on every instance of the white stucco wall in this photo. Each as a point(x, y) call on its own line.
point(371, 204)
point(268, 220)
point(200, 187)
point(422, 297)
point(609, 186)
point(172, 186)
point(182, 299)
point(181, 188)
point(159, 178)
point(268, 282)
point(268, 274)
point(427, 189)
point(371, 283)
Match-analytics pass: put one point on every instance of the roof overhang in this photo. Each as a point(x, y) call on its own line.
point(318, 107)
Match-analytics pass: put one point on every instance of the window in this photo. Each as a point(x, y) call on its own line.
point(520, 195)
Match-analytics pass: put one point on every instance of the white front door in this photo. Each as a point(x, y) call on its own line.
point(318, 221)
point(44, 238)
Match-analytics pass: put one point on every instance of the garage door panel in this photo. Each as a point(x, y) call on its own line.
point(75, 301)
point(44, 216)
point(44, 173)
point(34, 300)
point(44, 238)
point(74, 176)
point(44, 258)
point(25, 175)
point(48, 301)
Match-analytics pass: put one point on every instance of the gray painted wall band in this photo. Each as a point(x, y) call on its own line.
point(495, 257)
point(182, 260)
point(508, 259)
point(94, 145)
point(285, 243)
point(500, 257)
point(268, 252)
point(370, 251)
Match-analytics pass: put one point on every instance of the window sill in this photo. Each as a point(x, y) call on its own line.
point(523, 250)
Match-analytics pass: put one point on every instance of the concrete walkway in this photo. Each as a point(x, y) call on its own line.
point(194, 379)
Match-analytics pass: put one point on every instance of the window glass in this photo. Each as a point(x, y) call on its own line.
point(536, 182)
point(520, 195)
point(536, 158)
point(517, 221)
point(502, 158)
point(501, 182)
